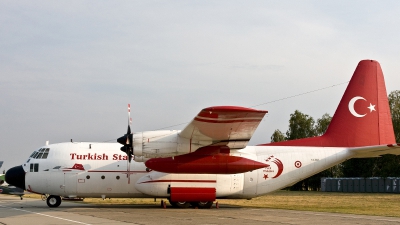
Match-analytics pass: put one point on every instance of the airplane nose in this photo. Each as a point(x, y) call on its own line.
point(16, 176)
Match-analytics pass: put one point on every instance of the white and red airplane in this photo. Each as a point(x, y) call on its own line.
point(209, 158)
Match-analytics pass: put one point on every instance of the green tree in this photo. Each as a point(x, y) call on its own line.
point(278, 136)
point(394, 105)
point(322, 124)
point(300, 126)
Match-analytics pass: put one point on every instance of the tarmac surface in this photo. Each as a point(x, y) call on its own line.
point(35, 211)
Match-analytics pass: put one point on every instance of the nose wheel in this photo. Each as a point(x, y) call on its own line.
point(53, 201)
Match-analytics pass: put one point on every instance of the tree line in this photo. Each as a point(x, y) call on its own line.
point(302, 126)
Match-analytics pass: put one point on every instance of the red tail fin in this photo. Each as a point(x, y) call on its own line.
point(363, 115)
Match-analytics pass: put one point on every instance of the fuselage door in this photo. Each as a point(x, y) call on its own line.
point(70, 181)
point(250, 183)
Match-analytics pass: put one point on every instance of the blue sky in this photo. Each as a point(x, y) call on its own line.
point(69, 68)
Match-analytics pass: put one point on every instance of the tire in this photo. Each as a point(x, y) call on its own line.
point(202, 205)
point(182, 205)
point(53, 201)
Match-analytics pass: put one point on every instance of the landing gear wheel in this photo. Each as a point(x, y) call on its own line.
point(202, 205)
point(182, 205)
point(53, 201)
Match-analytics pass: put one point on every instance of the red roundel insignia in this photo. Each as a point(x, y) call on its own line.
point(297, 164)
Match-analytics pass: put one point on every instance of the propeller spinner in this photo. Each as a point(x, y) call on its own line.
point(127, 139)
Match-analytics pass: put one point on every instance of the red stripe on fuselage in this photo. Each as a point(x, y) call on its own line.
point(30, 190)
point(182, 181)
point(116, 171)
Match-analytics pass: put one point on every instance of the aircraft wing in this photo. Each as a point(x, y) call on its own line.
point(223, 125)
point(375, 151)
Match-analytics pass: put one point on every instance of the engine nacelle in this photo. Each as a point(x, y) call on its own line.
point(156, 144)
point(163, 143)
point(140, 159)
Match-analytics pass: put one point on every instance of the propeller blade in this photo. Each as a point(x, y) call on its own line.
point(127, 139)
point(129, 119)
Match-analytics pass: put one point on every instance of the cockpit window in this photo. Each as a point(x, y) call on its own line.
point(46, 153)
point(39, 156)
point(32, 154)
point(41, 153)
point(35, 154)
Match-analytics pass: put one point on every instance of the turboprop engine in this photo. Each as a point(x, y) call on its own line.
point(156, 144)
point(159, 144)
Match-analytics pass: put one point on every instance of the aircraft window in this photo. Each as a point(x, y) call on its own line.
point(32, 154)
point(102, 177)
point(46, 153)
point(34, 167)
point(57, 167)
point(88, 177)
point(28, 160)
point(39, 156)
point(36, 153)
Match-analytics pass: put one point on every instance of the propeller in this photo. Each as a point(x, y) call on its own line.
point(127, 139)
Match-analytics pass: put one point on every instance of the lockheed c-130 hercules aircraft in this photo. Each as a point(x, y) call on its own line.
point(209, 158)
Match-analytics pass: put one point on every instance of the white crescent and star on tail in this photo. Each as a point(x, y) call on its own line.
point(353, 111)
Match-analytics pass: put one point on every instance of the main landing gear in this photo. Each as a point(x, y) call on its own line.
point(184, 205)
point(53, 201)
point(202, 205)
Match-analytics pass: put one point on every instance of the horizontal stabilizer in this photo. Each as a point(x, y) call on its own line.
point(375, 151)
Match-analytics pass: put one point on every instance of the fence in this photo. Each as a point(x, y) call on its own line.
point(360, 184)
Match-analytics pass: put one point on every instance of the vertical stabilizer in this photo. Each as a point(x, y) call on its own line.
point(363, 115)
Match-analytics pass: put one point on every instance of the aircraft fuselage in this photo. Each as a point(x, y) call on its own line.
point(101, 170)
